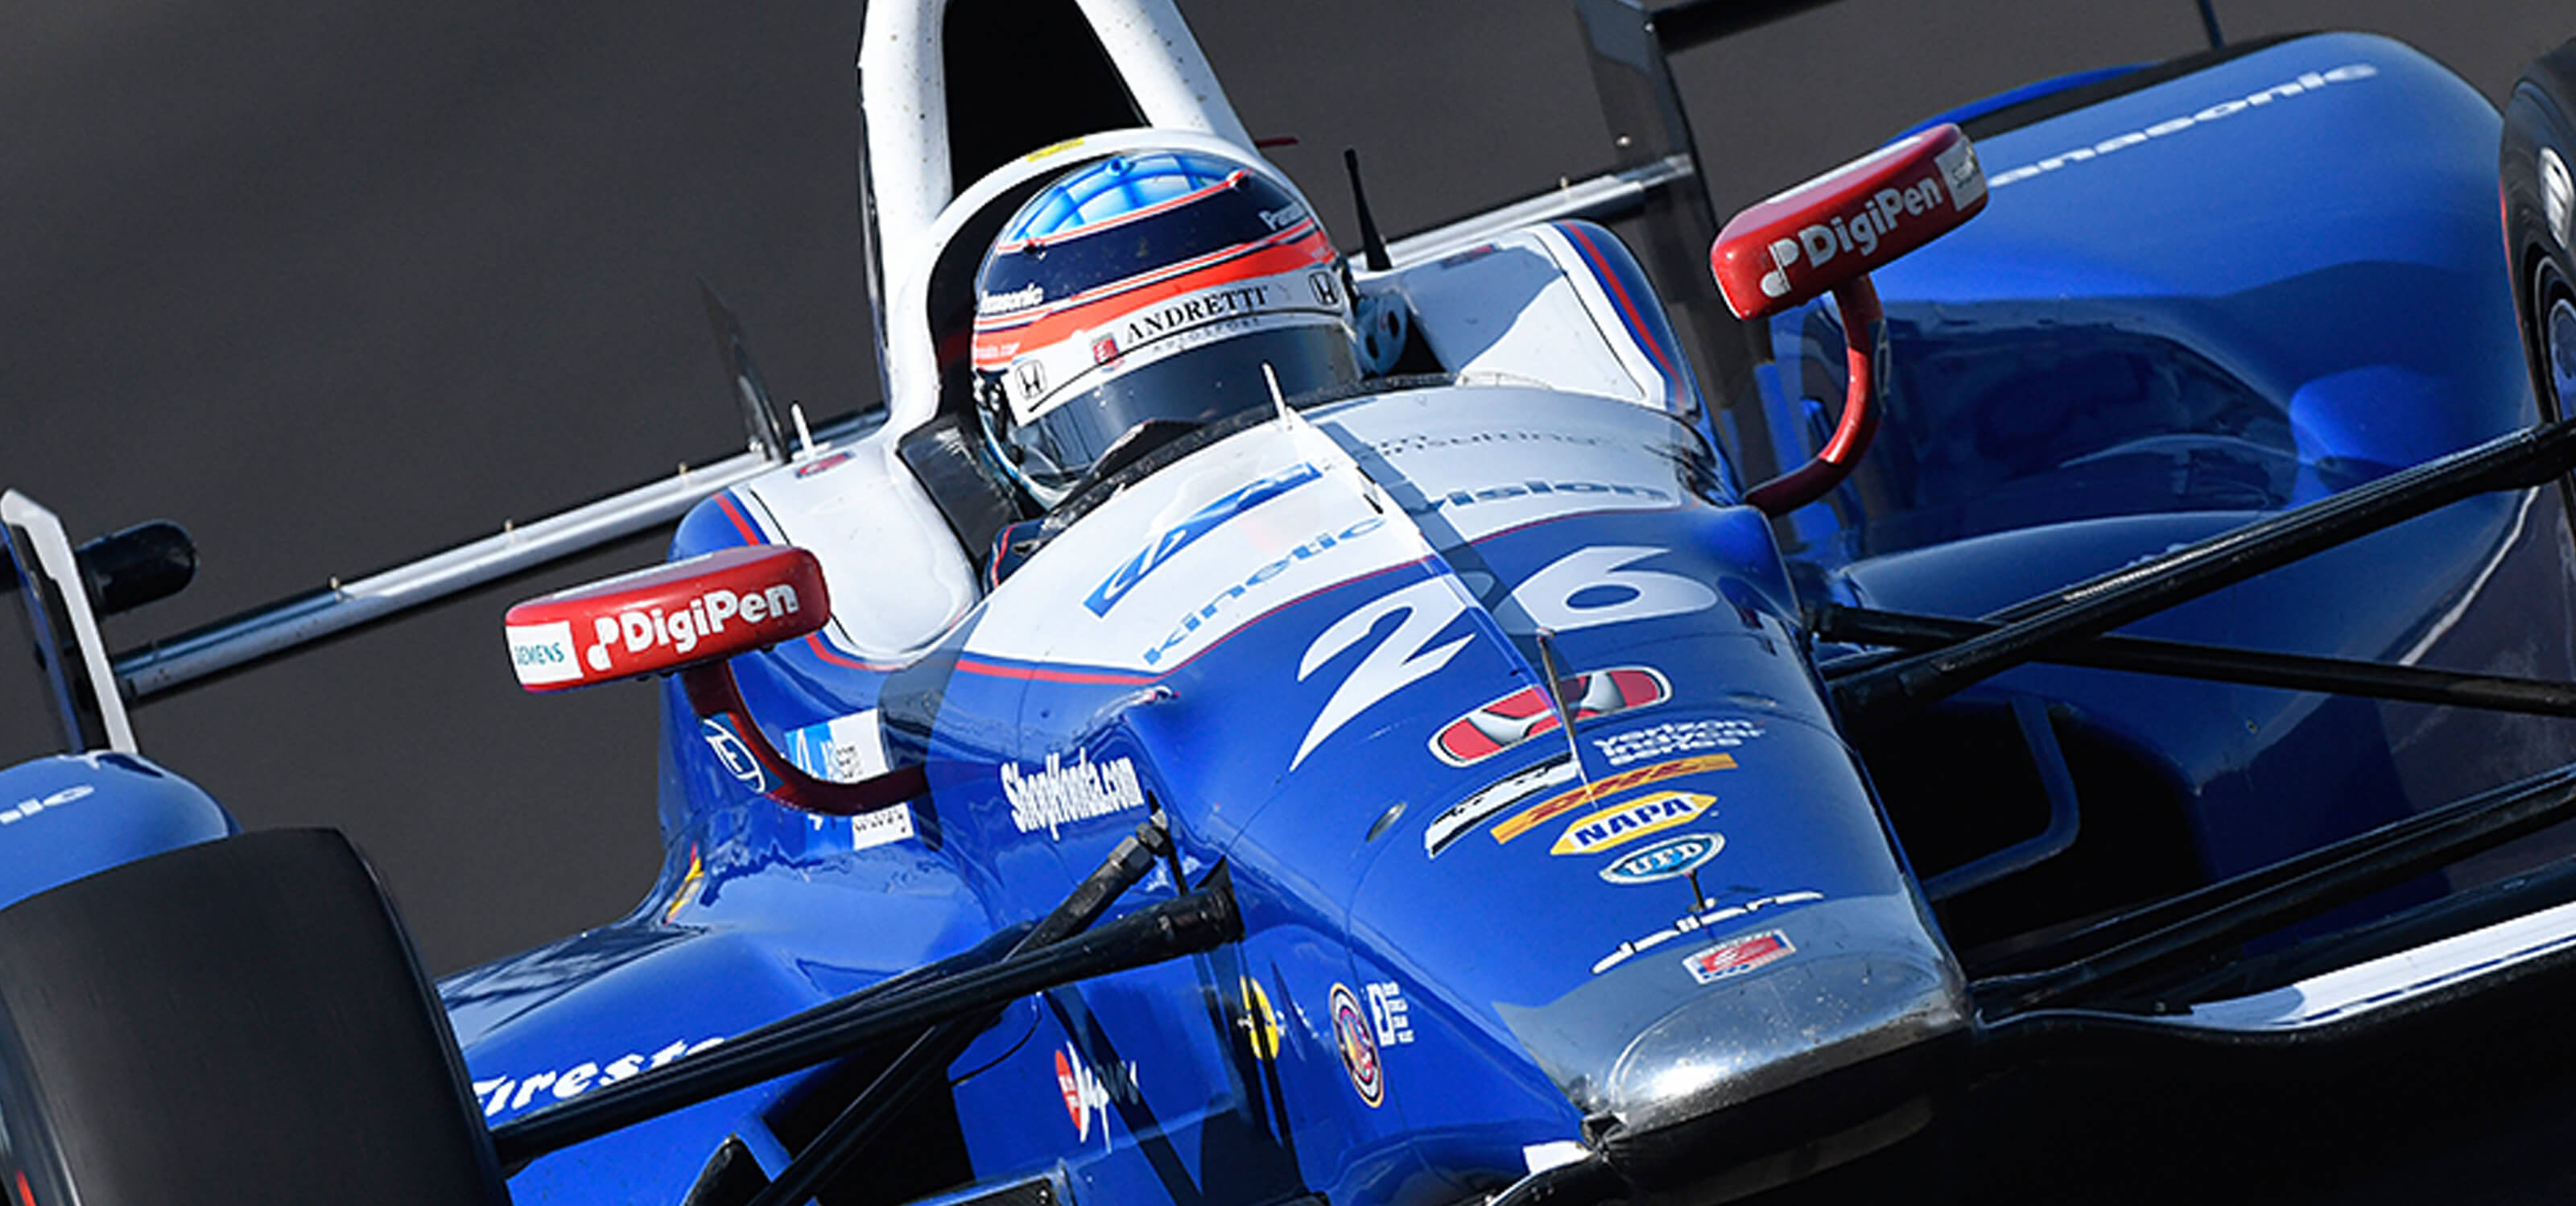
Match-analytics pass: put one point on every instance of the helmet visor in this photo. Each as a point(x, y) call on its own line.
point(1052, 451)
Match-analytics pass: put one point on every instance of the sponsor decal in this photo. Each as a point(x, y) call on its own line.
point(1328, 292)
point(1433, 504)
point(1283, 217)
point(884, 827)
point(1674, 737)
point(1388, 1016)
point(1357, 1039)
point(1460, 818)
point(1260, 1022)
point(1104, 349)
point(837, 459)
point(501, 1094)
point(32, 805)
point(844, 749)
point(1060, 795)
point(2310, 81)
point(1408, 445)
point(1693, 923)
point(1879, 215)
point(1031, 377)
point(1736, 956)
point(1613, 594)
point(1526, 713)
point(1625, 823)
point(1313, 546)
point(730, 750)
point(691, 883)
point(1210, 306)
point(1404, 657)
point(1162, 548)
point(1087, 1094)
point(1021, 298)
point(1583, 797)
point(1670, 858)
point(633, 631)
point(542, 653)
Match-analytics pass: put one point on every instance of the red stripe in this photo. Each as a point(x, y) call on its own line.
point(749, 535)
point(996, 342)
point(814, 641)
point(1044, 675)
point(1636, 322)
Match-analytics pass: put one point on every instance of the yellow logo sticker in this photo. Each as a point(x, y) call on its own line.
point(1050, 149)
point(1260, 1023)
point(1583, 797)
point(1629, 821)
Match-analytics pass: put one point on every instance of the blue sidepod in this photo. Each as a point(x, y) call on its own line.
point(72, 815)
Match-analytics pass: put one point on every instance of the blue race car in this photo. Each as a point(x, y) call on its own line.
point(1497, 716)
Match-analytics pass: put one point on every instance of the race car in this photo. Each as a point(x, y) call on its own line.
point(1548, 721)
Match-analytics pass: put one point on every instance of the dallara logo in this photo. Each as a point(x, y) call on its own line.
point(1626, 822)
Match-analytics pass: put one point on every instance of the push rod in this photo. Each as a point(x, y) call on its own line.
point(926, 1059)
point(1185, 925)
point(2193, 926)
point(1873, 696)
point(2181, 659)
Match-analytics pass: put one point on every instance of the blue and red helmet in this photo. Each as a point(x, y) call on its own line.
point(1146, 292)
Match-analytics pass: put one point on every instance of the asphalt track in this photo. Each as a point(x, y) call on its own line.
point(338, 284)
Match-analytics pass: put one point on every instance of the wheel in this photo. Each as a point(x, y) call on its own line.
point(2534, 174)
point(238, 1021)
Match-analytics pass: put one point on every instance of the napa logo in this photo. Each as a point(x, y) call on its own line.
point(1207, 519)
point(1670, 858)
point(1625, 823)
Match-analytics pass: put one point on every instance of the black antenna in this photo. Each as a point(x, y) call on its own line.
point(759, 414)
point(1372, 247)
point(2209, 22)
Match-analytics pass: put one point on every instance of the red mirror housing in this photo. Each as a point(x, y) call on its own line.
point(1840, 226)
point(669, 617)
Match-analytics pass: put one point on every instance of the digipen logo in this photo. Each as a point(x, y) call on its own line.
point(1878, 216)
point(638, 630)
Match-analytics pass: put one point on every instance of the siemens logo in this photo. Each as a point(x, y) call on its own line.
point(2307, 82)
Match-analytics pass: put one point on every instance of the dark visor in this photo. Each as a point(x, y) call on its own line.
point(1054, 450)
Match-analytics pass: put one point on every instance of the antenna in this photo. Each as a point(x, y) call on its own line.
point(2209, 23)
point(1373, 247)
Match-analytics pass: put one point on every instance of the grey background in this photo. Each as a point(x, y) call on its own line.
point(336, 284)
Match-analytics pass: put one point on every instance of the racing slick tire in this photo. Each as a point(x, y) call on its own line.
point(238, 1021)
point(2536, 172)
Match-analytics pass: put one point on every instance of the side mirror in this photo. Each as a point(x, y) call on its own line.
point(1827, 235)
point(1840, 226)
point(693, 617)
point(670, 617)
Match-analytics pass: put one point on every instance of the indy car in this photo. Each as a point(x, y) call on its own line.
point(1583, 703)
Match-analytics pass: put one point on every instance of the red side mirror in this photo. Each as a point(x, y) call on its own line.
point(1828, 234)
point(1839, 226)
point(670, 617)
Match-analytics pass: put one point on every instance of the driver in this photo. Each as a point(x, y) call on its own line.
point(1140, 296)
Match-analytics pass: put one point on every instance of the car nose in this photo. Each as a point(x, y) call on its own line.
point(1732, 1012)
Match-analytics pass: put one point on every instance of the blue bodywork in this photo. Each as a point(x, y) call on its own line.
point(2188, 305)
point(2142, 342)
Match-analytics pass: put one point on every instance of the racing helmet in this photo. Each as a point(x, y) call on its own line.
point(1141, 295)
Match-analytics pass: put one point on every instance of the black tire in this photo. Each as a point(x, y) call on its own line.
point(2533, 171)
point(239, 1021)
